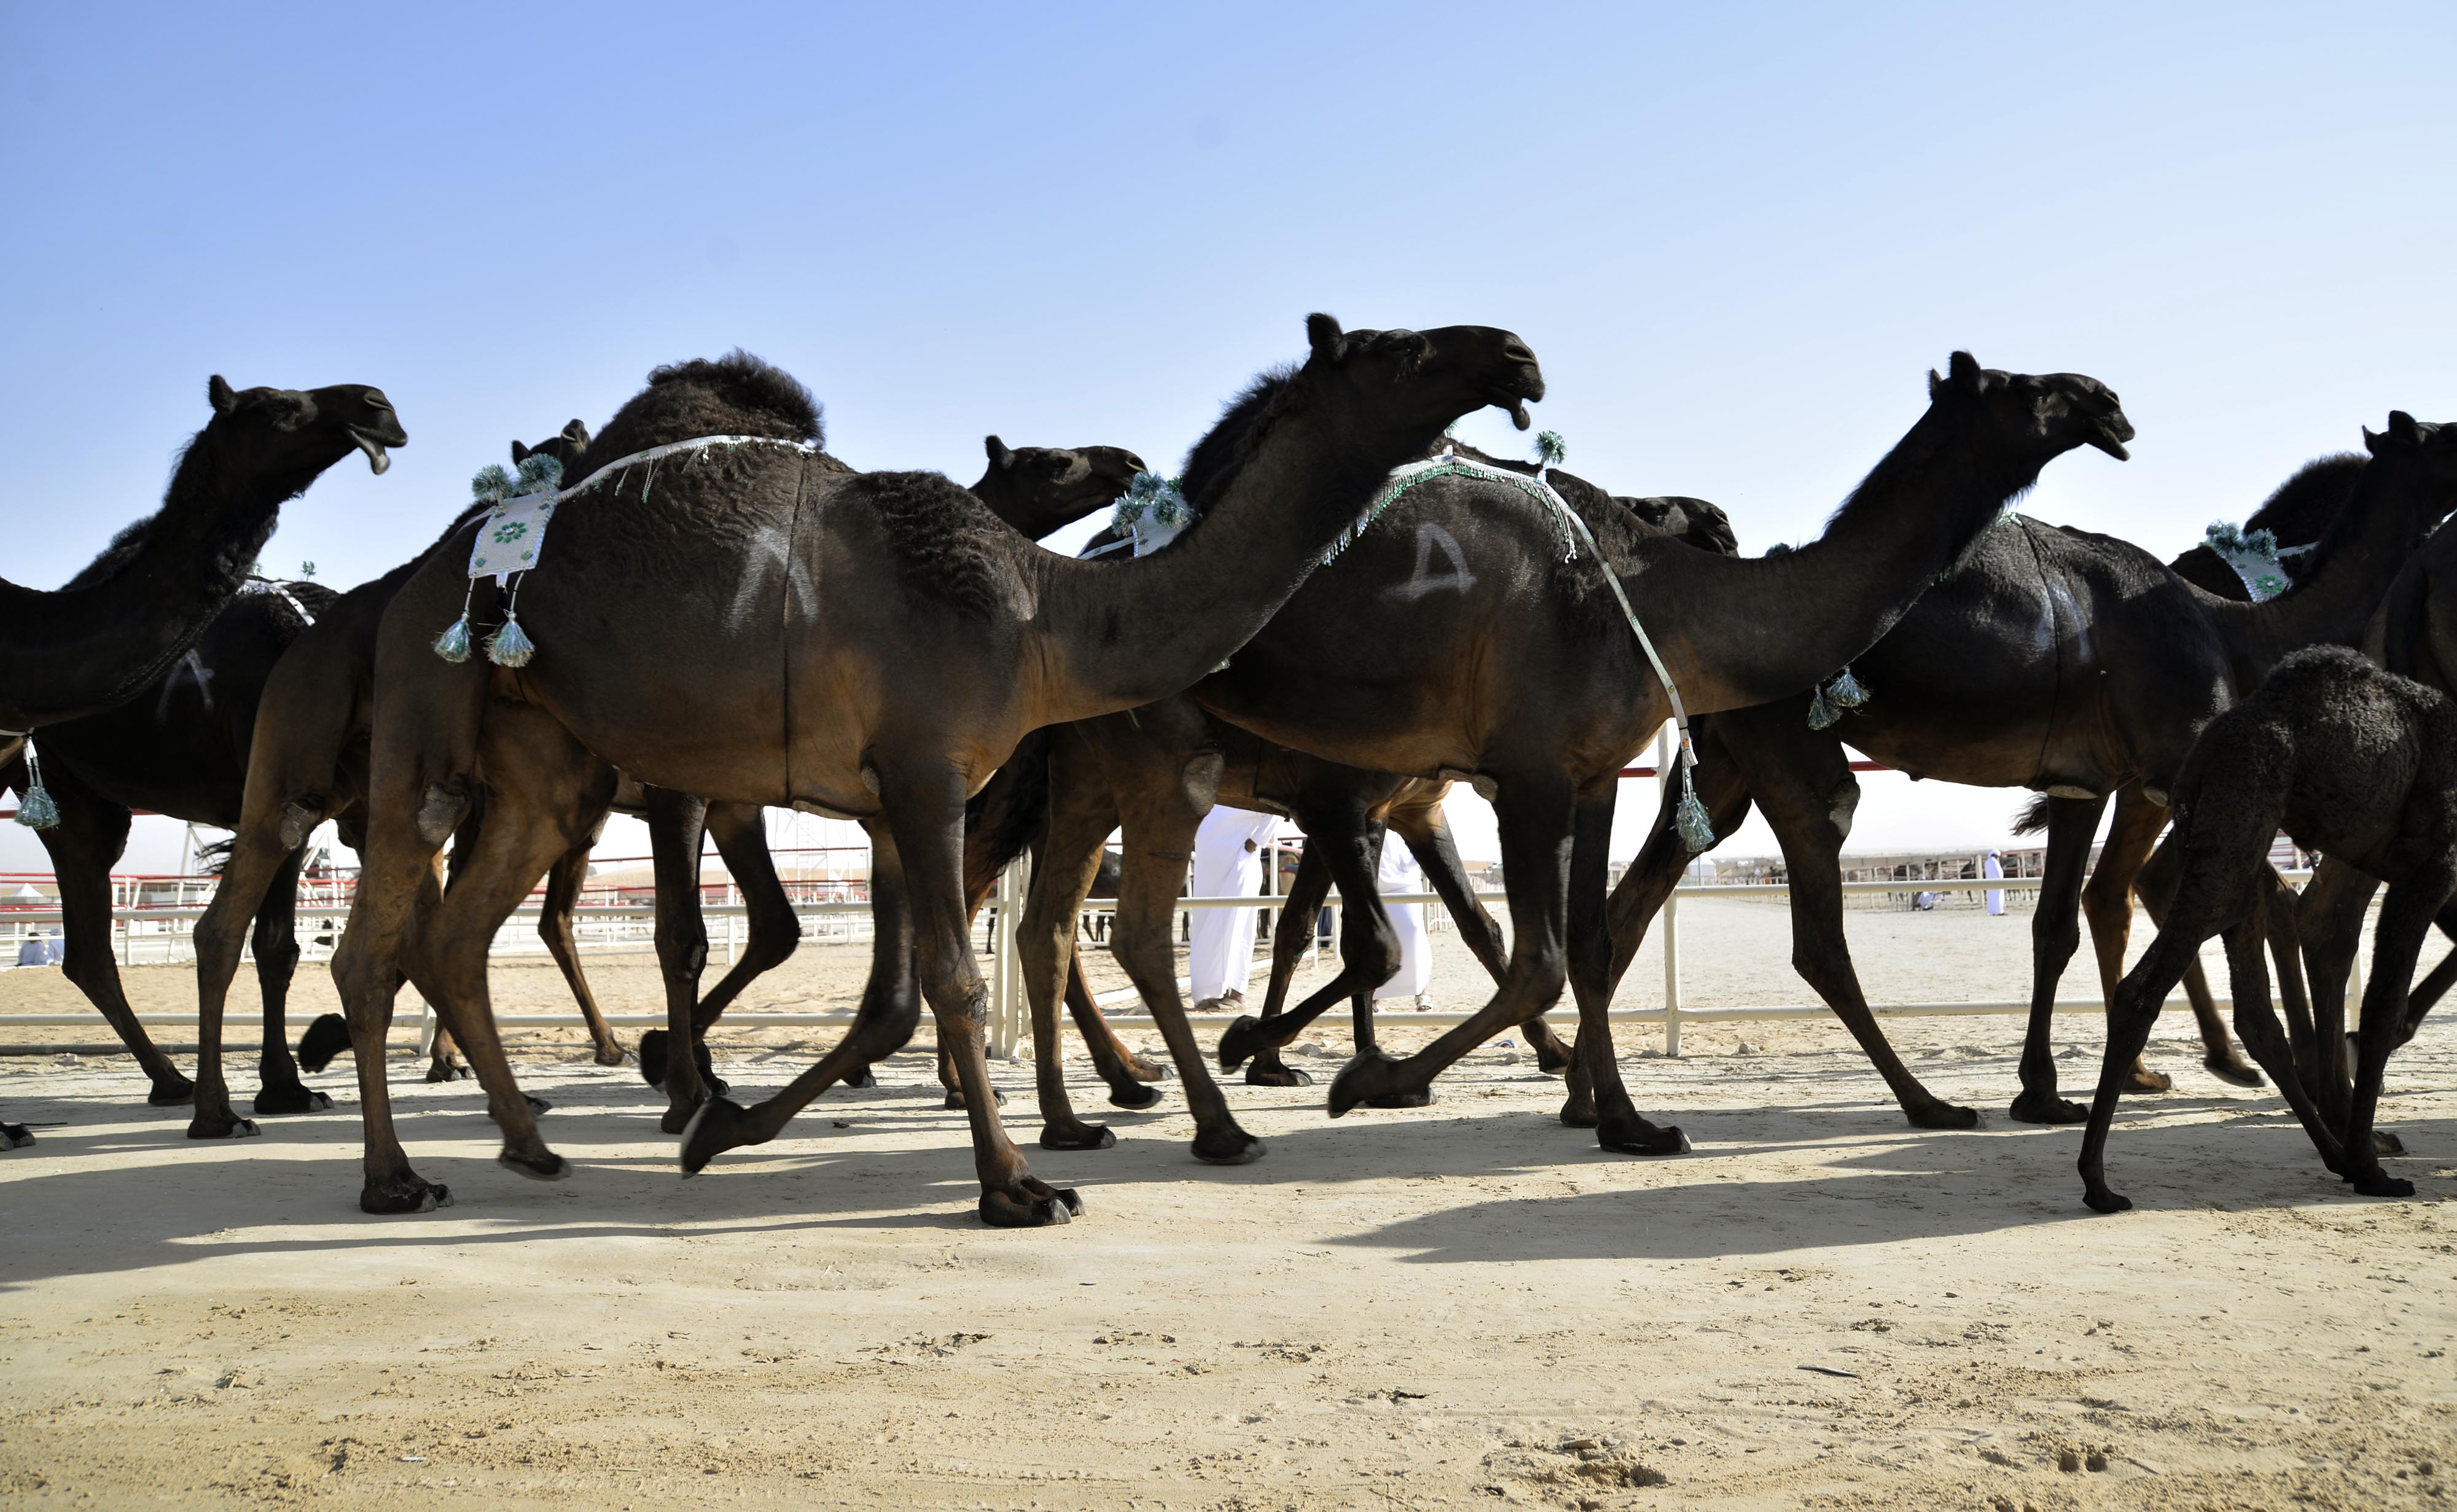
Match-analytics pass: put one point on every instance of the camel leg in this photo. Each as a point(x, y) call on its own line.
point(2135, 1011)
point(1537, 810)
point(2405, 920)
point(83, 846)
point(676, 826)
point(1160, 826)
point(924, 801)
point(1436, 854)
point(563, 883)
point(257, 863)
point(775, 933)
point(890, 1011)
point(1618, 1125)
point(2132, 863)
point(1127, 1073)
point(2330, 926)
point(279, 1089)
point(1070, 857)
point(1292, 934)
point(2055, 932)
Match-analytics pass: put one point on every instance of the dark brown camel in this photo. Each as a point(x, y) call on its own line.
point(123, 622)
point(1966, 690)
point(775, 628)
point(120, 624)
point(2348, 758)
point(1453, 639)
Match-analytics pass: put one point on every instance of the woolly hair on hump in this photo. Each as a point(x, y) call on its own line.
point(734, 395)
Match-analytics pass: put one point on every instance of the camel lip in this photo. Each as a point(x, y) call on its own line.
point(378, 459)
point(2111, 446)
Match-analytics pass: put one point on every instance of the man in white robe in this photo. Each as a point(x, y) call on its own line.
point(1228, 864)
point(1414, 977)
point(1992, 869)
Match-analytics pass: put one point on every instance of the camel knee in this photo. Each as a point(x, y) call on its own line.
point(440, 809)
point(217, 945)
point(2054, 937)
point(300, 817)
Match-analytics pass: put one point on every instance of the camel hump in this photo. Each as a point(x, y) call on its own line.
point(947, 541)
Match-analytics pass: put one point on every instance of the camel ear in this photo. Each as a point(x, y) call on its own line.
point(223, 397)
point(1323, 334)
point(520, 454)
point(576, 434)
point(2401, 430)
point(1000, 458)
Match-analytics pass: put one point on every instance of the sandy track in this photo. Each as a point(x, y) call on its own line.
point(1466, 1305)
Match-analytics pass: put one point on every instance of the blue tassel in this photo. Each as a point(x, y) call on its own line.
point(36, 810)
point(453, 645)
point(492, 484)
point(1822, 715)
point(1550, 448)
point(1697, 828)
point(509, 646)
point(1847, 691)
point(540, 471)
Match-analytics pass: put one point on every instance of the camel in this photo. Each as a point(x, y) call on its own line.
point(1452, 638)
point(776, 629)
point(311, 754)
point(180, 747)
point(120, 624)
point(2350, 759)
point(1965, 692)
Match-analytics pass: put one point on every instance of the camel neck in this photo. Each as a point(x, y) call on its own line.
point(2360, 554)
point(1909, 522)
point(115, 626)
point(1123, 631)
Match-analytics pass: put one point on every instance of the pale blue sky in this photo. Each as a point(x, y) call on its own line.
point(1737, 236)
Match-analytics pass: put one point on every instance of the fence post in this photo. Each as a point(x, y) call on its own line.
point(1007, 1008)
point(1666, 756)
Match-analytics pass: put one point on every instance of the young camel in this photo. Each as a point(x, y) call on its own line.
point(2349, 758)
point(775, 628)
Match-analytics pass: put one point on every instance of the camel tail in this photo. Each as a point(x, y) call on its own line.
point(2033, 817)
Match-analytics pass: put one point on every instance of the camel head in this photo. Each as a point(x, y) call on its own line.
point(2434, 445)
point(1418, 378)
point(567, 448)
point(1037, 489)
point(2037, 415)
point(288, 436)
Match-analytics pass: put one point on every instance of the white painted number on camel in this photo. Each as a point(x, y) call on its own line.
point(1451, 576)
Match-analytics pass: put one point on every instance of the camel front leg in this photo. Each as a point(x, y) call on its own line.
point(2406, 921)
point(1436, 854)
point(397, 879)
point(923, 802)
point(1618, 1125)
point(1070, 858)
point(2055, 932)
point(1293, 936)
point(563, 884)
point(279, 1089)
point(1127, 1073)
point(676, 826)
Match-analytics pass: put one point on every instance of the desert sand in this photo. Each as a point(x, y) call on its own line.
point(1467, 1304)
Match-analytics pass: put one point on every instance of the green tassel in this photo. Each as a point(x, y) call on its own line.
point(490, 484)
point(1822, 715)
point(1697, 829)
point(509, 646)
point(1847, 691)
point(540, 471)
point(36, 810)
point(453, 645)
point(1550, 448)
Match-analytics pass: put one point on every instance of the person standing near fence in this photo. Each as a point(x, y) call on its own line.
point(1228, 864)
point(1414, 978)
point(1994, 869)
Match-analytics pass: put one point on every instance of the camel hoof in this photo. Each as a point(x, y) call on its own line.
point(652, 1057)
point(1002, 1212)
point(612, 1054)
point(1277, 1077)
point(1078, 1136)
point(548, 1166)
point(2385, 1143)
point(1422, 1097)
point(2099, 1200)
point(1141, 1070)
point(229, 1126)
point(538, 1105)
point(177, 1092)
point(1943, 1116)
point(1640, 1137)
point(2378, 1183)
point(2150, 1081)
point(1579, 1112)
point(2226, 1067)
point(446, 1071)
point(1133, 1096)
point(327, 1037)
point(1241, 1042)
point(719, 1126)
point(955, 1098)
point(679, 1120)
point(15, 1136)
point(2047, 1107)
point(407, 1195)
point(291, 1098)
point(861, 1078)
point(1231, 1146)
point(1369, 1075)
point(1550, 1060)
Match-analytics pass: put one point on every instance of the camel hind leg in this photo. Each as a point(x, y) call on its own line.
point(775, 933)
point(279, 1089)
point(1070, 857)
point(2406, 921)
point(563, 884)
point(1292, 934)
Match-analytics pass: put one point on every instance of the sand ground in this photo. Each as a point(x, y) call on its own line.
point(1462, 1305)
